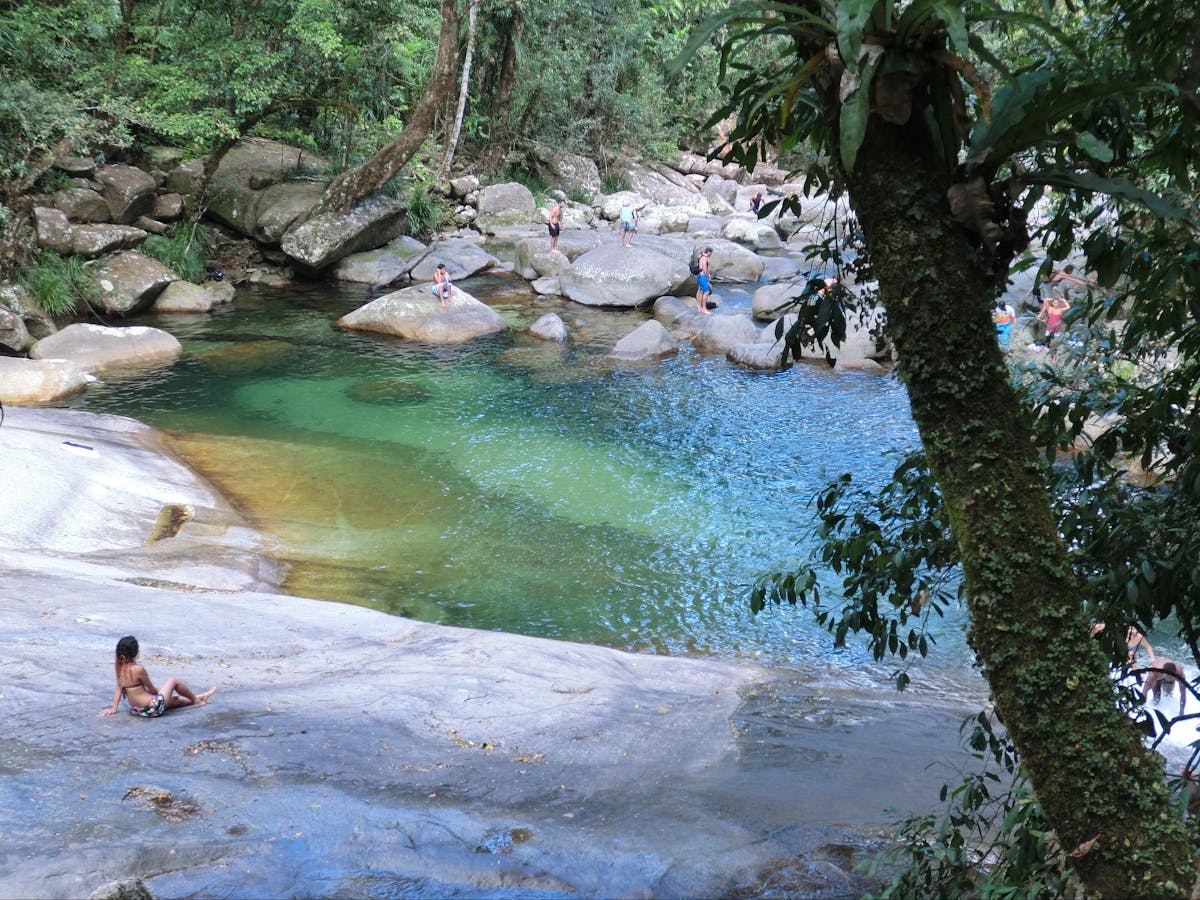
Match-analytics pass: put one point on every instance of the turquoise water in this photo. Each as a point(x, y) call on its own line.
point(513, 485)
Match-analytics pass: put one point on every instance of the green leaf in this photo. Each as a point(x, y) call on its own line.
point(852, 18)
point(856, 110)
point(1114, 187)
point(955, 20)
point(1094, 147)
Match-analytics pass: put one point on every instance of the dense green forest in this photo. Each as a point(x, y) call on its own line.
point(965, 134)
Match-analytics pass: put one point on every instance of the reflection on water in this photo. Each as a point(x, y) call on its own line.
point(514, 485)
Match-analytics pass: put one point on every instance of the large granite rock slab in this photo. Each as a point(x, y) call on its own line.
point(611, 275)
point(323, 240)
point(98, 348)
point(29, 382)
point(504, 204)
point(414, 313)
point(129, 283)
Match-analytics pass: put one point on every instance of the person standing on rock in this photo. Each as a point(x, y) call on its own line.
point(555, 226)
point(145, 700)
point(629, 218)
point(704, 286)
point(441, 284)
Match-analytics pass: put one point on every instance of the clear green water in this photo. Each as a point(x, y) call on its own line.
point(511, 485)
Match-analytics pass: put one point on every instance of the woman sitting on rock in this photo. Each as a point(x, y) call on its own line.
point(144, 698)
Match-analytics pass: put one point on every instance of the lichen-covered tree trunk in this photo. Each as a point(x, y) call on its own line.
point(1101, 790)
point(356, 183)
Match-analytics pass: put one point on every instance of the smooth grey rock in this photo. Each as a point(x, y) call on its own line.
point(752, 233)
point(129, 282)
point(282, 205)
point(866, 366)
point(183, 297)
point(532, 253)
point(161, 157)
point(546, 287)
point(648, 341)
point(98, 348)
point(780, 268)
point(463, 186)
point(377, 267)
point(91, 241)
point(82, 205)
point(611, 275)
point(324, 239)
point(52, 228)
point(462, 260)
point(185, 179)
point(19, 300)
point(152, 226)
point(669, 309)
point(767, 300)
point(79, 166)
point(129, 192)
point(721, 333)
point(549, 327)
point(414, 313)
point(757, 355)
point(14, 335)
point(167, 207)
point(504, 204)
point(723, 189)
point(569, 172)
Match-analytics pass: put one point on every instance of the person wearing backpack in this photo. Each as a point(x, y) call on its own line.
point(704, 288)
point(629, 219)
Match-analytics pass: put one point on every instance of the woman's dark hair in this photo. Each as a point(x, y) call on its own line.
point(127, 650)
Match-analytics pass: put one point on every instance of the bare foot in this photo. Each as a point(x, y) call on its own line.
point(201, 699)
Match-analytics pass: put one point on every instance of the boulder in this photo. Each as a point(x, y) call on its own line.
point(718, 188)
point(98, 348)
point(185, 179)
point(30, 382)
point(730, 261)
point(377, 267)
point(281, 205)
point(128, 889)
point(504, 204)
point(720, 333)
point(549, 328)
point(866, 366)
point(569, 172)
point(259, 163)
point(757, 355)
point(222, 292)
point(767, 299)
point(77, 166)
point(663, 220)
point(129, 282)
point(167, 207)
point(671, 309)
point(18, 300)
point(462, 258)
point(323, 240)
point(610, 206)
point(91, 241)
point(664, 192)
point(183, 297)
point(233, 203)
point(546, 287)
point(532, 256)
point(14, 335)
point(752, 233)
point(463, 186)
point(52, 228)
point(82, 205)
point(648, 341)
point(414, 313)
point(158, 156)
point(152, 226)
point(611, 275)
point(780, 268)
point(129, 192)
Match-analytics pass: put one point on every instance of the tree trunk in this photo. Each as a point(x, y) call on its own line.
point(356, 183)
point(1101, 790)
point(464, 83)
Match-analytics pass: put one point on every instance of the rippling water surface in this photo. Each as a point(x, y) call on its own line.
point(513, 485)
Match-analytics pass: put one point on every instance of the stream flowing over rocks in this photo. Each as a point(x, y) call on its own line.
point(348, 752)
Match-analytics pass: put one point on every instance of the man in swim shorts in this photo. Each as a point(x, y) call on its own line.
point(555, 226)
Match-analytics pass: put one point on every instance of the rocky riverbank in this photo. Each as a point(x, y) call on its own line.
point(350, 752)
